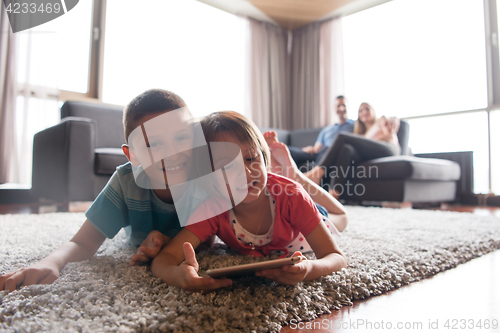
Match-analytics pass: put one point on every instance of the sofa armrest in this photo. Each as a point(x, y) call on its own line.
point(63, 161)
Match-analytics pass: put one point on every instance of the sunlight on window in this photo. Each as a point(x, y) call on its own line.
point(495, 151)
point(187, 47)
point(464, 132)
point(58, 55)
point(36, 115)
point(416, 57)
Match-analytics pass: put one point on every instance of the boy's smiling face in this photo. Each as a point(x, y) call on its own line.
point(162, 144)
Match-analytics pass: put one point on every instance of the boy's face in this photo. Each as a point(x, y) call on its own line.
point(162, 144)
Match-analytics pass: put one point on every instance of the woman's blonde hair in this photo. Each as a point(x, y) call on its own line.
point(360, 127)
point(238, 125)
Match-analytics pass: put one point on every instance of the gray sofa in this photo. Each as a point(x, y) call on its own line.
point(402, 178)
point(72, 161)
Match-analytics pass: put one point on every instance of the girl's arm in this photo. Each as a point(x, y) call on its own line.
point(81, 247)
point(329, 259)
point(176, 265)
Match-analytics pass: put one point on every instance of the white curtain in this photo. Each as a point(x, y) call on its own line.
point(305, 74)
point(268, 73)
point(317, 73)
point(8, 152)
point(331, 64)
point(295, 77)
point(31, 103)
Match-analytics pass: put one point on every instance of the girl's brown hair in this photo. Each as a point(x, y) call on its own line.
point(238, 125)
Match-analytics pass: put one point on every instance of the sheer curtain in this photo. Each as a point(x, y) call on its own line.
point(268, 73)
point(8, 156)
point(305, 73)
point(294, 77)
point(316, 72)
point(331, 64)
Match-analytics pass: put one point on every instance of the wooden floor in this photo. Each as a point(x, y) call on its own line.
point(466, 296)
point(458, 300)
point(469, 292)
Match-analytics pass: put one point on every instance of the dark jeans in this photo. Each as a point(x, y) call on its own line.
point(301, 157)
point(349, 149)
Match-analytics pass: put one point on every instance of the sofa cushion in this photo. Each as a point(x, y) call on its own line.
point(304, 137)
point(107, 159)
point(410, 167)
point(400, 190)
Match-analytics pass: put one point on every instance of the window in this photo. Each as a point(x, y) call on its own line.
point(32, 116)
point(495, 151)
point(462, 132)
point(416, 57)
point(53, 60)
point(56, 54)
point(188, 47)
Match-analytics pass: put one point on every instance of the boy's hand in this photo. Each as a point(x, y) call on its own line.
point(188, 278)
point(43, 272)
point(288, 274)
point(149, 248)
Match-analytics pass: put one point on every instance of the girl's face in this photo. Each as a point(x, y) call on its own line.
point(366, 114)
point(252, 181)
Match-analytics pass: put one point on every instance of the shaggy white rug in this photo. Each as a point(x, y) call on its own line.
point(386, 249)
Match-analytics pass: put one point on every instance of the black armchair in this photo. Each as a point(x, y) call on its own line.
point(73, 160)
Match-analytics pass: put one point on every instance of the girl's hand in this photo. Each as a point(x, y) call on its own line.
point(149, 248)
point(288, 274)
point(188, 278)
point(44, 272)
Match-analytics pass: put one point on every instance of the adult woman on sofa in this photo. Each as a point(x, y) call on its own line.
point(372, 138)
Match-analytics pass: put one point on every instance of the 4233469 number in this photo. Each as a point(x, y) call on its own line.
point(477, 324)
point(32, 8)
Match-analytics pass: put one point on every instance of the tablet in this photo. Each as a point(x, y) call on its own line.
point(250, 269)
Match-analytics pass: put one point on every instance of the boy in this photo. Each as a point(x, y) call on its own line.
point(136, 197)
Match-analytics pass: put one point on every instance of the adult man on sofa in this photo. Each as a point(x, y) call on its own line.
point(326, 136)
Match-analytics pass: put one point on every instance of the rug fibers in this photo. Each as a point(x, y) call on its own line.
point(386, 249)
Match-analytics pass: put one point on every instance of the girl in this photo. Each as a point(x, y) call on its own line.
point(273, 215)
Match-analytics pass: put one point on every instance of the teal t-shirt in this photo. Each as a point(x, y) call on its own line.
point(123, 204)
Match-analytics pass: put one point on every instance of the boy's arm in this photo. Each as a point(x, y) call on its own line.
point(329, 259)
point(81, 247)
point(176, 265)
